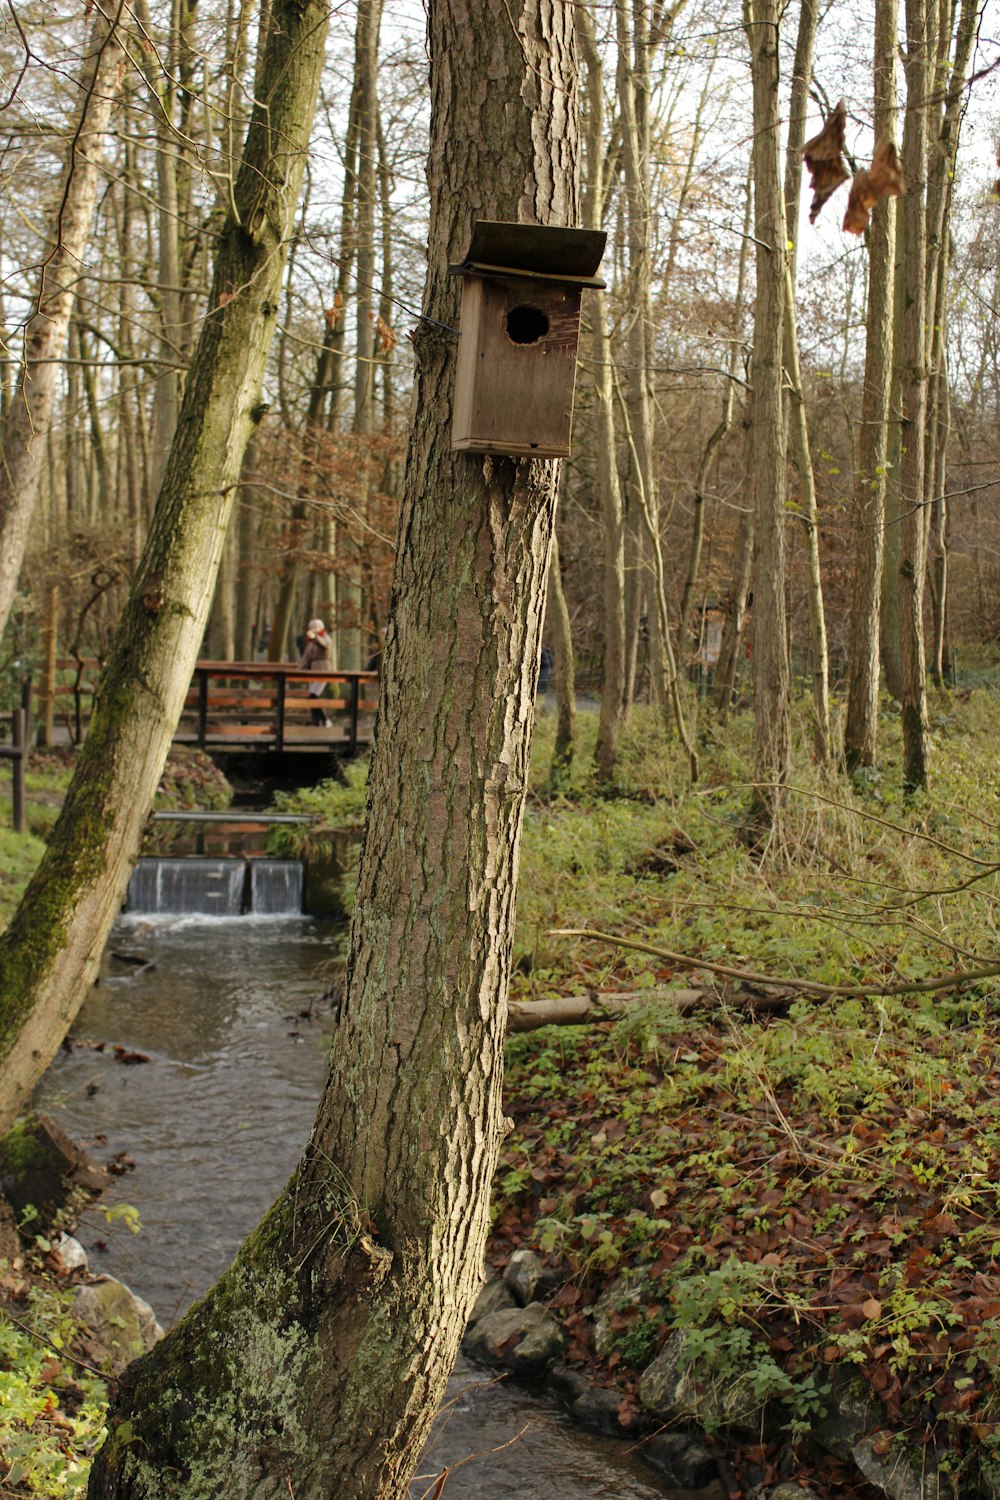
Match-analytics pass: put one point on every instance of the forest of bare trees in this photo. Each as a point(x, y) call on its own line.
point(222, 276)
point(122, 132)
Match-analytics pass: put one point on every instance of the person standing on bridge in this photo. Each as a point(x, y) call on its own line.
point(316, 657)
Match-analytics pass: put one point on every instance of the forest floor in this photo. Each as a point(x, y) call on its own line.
point(804, 1192)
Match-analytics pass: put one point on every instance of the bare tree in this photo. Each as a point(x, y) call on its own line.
point(30, 410)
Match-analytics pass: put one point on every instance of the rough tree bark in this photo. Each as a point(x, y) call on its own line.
point(770, 659)
point(314, 1367)
point(29, 414)
point(51, 949)
point(861, 725)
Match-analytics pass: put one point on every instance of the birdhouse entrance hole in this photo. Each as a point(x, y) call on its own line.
point(526, 325)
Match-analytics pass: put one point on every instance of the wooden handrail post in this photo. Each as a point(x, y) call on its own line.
point(282, 683)
point(17, 770)
point(355, 694)
point(202, 707)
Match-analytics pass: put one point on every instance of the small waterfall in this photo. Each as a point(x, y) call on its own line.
point(181, 887)
point(275, 887)
point(216, 887)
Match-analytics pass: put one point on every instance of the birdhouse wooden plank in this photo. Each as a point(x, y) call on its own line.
point(516, 370)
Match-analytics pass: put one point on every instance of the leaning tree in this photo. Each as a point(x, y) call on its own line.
point(50, 951)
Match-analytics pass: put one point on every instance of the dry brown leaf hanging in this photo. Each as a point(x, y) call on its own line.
point(883, 179)
point(824, 156)
point(996, 185)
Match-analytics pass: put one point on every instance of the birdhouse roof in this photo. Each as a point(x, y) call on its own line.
point(535, 252)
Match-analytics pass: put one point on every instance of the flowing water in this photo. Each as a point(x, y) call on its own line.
point(231, 1017)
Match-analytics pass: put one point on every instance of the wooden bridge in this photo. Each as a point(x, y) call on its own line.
point(244, 707)
point(250, 706)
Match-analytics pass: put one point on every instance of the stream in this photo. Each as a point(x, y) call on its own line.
point(230, 1016)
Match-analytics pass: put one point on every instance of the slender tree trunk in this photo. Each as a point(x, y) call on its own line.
point(819, 655)
point(718, 436)
point(798, 106)
point(30, 413)
point(861, 725)
point(315, 1365)
point(51, 949)
point(913, 520)
point(564, 671)
point(939, 205)
point(796, 407)
point(632, 74)
point(736, 609)
point(770, 658)
point(614, 686)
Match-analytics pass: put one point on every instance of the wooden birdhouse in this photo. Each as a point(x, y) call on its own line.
point(516, 368)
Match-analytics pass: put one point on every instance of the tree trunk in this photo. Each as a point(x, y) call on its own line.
point(30, 412)
point(818, 653)
point(796, 407)
point(770, 658)
point(315, 1365)
point(913, 520)
point(718, 435)
point(564, 671)
point(614, 687)
point(51, 949)
point(632, 81)
point(939, 205)
point(861, 726)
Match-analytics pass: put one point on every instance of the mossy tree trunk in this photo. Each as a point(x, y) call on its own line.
point(49, 953)
point(314, 1366)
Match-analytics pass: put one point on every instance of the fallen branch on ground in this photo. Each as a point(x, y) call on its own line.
point(804, 986)
point(596, 1005)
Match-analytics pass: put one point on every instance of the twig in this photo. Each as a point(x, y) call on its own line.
point(807, 986)
point(62, 1353)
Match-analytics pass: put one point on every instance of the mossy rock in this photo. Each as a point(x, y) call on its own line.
point(42, 1168)
point(122, 1324)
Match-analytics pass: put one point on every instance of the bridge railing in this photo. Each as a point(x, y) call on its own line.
point(267, 705)
point(248, 705)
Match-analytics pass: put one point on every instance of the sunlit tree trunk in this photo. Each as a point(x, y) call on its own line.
point(30, 410)
point(50, 951)
point(315, 1366)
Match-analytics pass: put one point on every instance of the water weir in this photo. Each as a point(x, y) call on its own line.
point(216, 887)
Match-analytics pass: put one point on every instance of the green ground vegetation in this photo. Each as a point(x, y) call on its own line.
point(52, 1401)
point(811, 1192)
